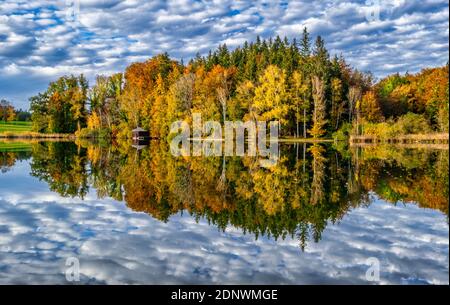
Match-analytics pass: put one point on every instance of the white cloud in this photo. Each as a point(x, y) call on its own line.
point(37, 33)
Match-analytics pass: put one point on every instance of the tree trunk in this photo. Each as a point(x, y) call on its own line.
point(297, 123)
point(337, 121)
point(224, 114)
point(304, 157)
point(304, 123)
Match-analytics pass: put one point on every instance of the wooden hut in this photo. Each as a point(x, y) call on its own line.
point(140, 134)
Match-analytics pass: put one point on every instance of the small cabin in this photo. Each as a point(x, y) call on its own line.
point(140, 134)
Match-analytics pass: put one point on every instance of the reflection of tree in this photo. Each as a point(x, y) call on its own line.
point(8, 159)
point(275, 202)
point(62, 166)
point(296, 198)
point(318, 169)
point(406, 175)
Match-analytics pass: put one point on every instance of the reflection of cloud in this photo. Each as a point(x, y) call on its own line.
point(116, 245)
point(37, 43)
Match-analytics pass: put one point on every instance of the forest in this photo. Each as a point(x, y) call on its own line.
point(296, 82)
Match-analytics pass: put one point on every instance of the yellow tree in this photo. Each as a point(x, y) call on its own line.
point(93, 121)
point(10, 114)
point(205, 94)
point(370, 107)
point(130, 104)
point(179, 99)
point(337, 103)
point(240, 103)
point(300, 100)
point(354, 95)
point(270, 100)
point(157, 114)
point(319, 120)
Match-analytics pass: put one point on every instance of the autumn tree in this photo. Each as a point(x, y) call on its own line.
point(370, 108)
point(180, 99)
point(241, 104)
point(156, 119)
point(62, 108)
point(354, 96)
point(221, 80)
point(318, 116)
point(270, 100)
point(337, 103)
point(7, 112)
point(300, 93)
point(104, 98)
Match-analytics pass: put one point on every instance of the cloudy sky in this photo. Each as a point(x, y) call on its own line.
point(39, 231)
point(41, 40)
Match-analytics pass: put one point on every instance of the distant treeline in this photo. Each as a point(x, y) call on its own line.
point(8, 113)
point(295, 82)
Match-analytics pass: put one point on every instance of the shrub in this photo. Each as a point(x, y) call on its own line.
point(412, 123)
point(104, 133)
point(87, 133)
point(409, 123)
point(379, 130)
point(343, 133)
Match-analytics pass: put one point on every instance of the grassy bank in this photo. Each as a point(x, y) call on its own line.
point(22, 130)
point(15, 127)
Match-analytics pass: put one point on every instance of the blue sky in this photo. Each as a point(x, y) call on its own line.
point(41, 40)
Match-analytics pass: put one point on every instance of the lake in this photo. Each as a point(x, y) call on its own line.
point(324, 214)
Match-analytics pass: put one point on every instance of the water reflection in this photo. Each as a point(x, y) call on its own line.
point(311, 186)
point(316, 217)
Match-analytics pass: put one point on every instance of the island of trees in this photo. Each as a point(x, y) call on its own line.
point(298, 83)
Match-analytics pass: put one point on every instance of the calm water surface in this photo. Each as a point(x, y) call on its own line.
point(322, 215)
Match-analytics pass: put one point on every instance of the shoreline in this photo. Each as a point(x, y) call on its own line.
point(412, 139)
point(432, 138)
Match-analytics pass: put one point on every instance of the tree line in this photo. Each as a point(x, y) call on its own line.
point(297, 82)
